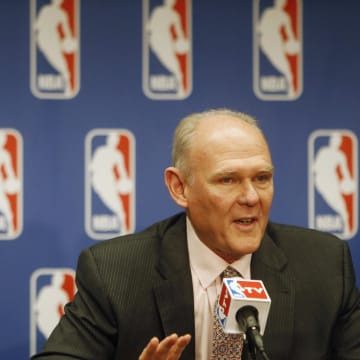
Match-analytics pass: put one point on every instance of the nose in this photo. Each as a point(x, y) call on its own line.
point(248, 194)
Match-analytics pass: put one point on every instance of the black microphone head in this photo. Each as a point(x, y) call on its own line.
point(248, 317)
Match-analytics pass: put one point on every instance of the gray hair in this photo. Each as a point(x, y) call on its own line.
point(186, 130)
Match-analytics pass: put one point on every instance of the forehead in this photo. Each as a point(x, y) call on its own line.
point(220, 139)
point(225, 130)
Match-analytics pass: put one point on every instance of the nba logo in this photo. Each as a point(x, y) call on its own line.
point(55, 48)
point(277, 47)
point(167, 49)
point(224, 305)
point(11, 179)
point(333, 182)
point(50, 291)
point(109, 183)
point(253, 289)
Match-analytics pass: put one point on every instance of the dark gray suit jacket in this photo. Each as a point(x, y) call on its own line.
point(139, 286)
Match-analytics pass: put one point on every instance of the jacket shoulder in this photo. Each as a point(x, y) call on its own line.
point(141, 240)
point(283, 232)
point(308, 246)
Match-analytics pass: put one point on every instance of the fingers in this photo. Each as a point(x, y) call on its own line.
point(170, 348)
point(156, 350)
point(177, 349)
point(150, 349)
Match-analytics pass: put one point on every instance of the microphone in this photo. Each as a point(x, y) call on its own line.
point(243, 308)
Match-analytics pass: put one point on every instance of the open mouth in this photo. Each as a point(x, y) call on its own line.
point(246, 221)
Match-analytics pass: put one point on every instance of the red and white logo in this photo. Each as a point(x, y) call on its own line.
point(11, 184)
point(167, 49)
point(247, 289)
point(109, 183)
point(50, 290)
point(333, 182)
point(224, 302)
point(277, 46)
point(55, 48)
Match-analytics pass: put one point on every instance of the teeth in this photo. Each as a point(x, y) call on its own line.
point(246, 221)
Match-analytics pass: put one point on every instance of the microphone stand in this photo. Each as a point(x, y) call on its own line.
point(248, 349)
point(247, 318)
point(251, 344)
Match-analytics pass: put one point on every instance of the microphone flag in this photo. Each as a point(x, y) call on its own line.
point(237, 293)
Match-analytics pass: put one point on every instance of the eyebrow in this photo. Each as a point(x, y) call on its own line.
point(231, 171)
point(268, 169)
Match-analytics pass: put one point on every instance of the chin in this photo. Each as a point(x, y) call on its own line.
point(234, 255)
point(249, 248)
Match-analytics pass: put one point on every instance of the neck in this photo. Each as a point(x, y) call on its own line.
point(229, 258)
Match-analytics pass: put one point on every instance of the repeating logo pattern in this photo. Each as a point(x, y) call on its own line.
point(55, 48)
point(277, 47)
point(333, 182)
point(50, 290)
point(167, 49)
point(109, 183)
point(11, 184)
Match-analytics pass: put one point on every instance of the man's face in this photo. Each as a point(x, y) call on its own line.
point(229, 199)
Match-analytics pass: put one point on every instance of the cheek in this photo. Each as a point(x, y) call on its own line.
point(209, 206)
point(199, 194)
point(219, 202)
point(266, 210)
point(266, 198)
point(270, 199)
point(210, 199)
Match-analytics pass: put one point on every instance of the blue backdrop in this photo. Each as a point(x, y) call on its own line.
point(92, 91)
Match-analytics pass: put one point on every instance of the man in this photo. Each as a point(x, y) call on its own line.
point(151, 295)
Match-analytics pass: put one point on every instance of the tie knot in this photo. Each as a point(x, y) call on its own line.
point(230, 272)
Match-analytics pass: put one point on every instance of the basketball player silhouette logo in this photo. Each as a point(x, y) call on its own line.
point(167, 49)
point(55, 48)
point(333, 182)
point(277, 50)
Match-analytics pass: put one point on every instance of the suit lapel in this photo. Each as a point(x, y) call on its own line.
point(173, 289)
point(174, 293)
point(269, 264)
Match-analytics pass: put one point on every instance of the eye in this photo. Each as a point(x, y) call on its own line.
point(227, 180)
point(263, 178)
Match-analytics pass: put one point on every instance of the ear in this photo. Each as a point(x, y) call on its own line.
point(175, 183)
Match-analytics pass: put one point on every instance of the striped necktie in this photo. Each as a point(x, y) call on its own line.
point(226, 346)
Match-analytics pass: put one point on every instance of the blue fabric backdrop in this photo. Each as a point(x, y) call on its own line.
point(109, 80)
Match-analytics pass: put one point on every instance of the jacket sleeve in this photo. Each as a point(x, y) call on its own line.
point(347, 330)
point(87, 330)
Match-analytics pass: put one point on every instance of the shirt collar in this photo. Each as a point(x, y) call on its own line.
point(206, 264)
